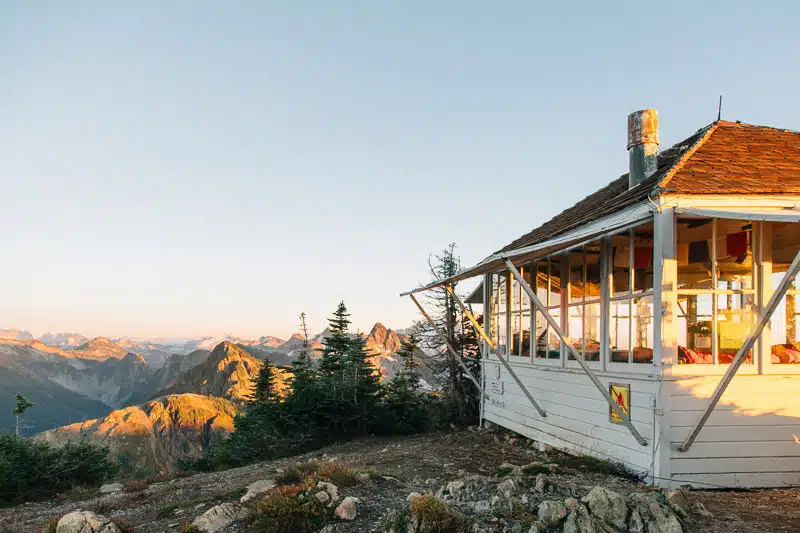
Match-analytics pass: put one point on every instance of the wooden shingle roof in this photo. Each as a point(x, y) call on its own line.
point(722, 158)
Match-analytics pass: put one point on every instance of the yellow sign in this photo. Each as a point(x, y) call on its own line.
point(621, 394)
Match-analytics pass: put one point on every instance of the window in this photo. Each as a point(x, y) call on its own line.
point(521, 316)
point(499, 316)
point(631, 320)
point(715, 289)
point(583, 306)
point(785, 337)
point(548, 289)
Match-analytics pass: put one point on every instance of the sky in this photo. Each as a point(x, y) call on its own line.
point(198, 167)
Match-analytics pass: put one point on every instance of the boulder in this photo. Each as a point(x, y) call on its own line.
point(110, 488)
point(322, 497)
point(662, 520)
point(551, 513)
point(257, 488)
point(85, 522)
point(608, 506)
point(219, 517)
point(347, 509)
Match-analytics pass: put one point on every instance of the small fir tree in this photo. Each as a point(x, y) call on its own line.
point(22, 405)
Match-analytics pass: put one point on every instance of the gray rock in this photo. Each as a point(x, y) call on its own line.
point(331, 489)
point(541, 484)
point(322, 497)
point(635, 522)
point(677, 502)
point(110, 488)
point(481, 507)
point(219, 517)
point(256, 488)
point(454, 487)
point(551, 513)
point(508, 486)
point(608, 506)
point(347, 509)
point(85, 522)
point(662, 520)
point(516, 470)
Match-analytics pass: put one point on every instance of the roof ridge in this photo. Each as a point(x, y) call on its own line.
point(739, 124)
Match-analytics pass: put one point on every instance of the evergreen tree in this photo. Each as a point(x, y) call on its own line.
point(404, 402)
point(337, 344)
point(364, 382)
point(22, 405)
point(264, 392)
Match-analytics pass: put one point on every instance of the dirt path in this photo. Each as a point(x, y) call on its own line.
point(417, 463)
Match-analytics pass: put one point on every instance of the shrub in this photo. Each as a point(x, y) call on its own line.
point(339, 475)
point(282, 511)
point(32, 470)
point(136, 485)
point(599, 466)
point(435, 516)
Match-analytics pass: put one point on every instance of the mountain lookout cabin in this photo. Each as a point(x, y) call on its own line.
point(655, 322)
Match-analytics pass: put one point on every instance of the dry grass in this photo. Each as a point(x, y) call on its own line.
point(296, 473)
point(435, 516)
point(282, 511)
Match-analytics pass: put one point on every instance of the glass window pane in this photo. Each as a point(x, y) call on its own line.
point(734, 254)
point(553, 341)
point(576, 275)
point(502, 332)
point(694, 329)
point(643, 329)
point(575, 327)
point(592, 258)
point(541, 336)
point(785, 333)
point(554, 298)
point(735, 319)
point(643, 258)
point(620, 264)
point(619, 330)
point(592, 332)
point(694, 253)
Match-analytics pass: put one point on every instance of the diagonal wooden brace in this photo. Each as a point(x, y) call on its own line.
point(741, 355)
point(491, 344)
point(578, 357)
point(458, 358)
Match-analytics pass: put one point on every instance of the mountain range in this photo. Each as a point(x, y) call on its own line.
point(151, 403)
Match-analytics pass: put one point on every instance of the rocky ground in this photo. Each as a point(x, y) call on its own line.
point(476, 480)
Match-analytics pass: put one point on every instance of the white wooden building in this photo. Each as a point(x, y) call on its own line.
point(668, 293)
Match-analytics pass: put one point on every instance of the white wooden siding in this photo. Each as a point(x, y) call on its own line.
point(577, 415)
point(749, 439)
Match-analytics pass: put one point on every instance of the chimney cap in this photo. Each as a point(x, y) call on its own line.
point(643, 127)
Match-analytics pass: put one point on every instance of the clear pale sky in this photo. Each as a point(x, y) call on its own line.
point(191, 167)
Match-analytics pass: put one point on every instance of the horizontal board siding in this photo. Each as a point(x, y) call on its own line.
point(592, 411)
point(567, 440)
point(754, 433)
point(577, 415)
point(735, 465)
point(759, 479)
point(750, 437)
point(579, 392)
point(579, 423)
